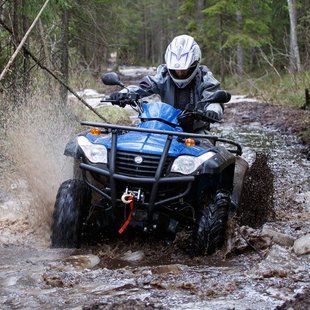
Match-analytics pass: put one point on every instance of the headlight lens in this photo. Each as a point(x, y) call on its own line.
point(186, 164)
point(96, 153)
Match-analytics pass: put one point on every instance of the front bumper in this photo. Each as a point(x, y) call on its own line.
point(139, 182)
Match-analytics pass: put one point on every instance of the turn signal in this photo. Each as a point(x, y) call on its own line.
point(190, 142)
point(95, 131)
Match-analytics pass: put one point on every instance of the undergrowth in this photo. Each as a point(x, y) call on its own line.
point(271, 87)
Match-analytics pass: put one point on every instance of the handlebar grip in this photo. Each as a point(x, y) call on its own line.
point(203, 115)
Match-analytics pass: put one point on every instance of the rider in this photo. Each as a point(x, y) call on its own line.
point(181, 82)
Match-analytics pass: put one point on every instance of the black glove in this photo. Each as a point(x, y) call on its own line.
point(212, 116)
point(118, 98)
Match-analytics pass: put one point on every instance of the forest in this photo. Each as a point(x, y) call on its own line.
point(249, 45)
point(51, 52)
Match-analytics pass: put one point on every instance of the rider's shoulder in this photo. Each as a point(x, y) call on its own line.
point(206, 72)
point(162, 69)
point(204, 69)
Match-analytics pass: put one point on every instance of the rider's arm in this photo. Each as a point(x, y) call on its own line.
point(149, 85)
point(210, 85)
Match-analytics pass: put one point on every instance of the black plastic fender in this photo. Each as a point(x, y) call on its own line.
point(220, 161)
point(72, 148)
point(241, 169)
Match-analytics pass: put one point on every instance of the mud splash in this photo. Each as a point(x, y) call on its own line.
point(33, 168)
point(257, 206)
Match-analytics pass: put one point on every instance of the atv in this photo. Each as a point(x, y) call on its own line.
point(152, 178)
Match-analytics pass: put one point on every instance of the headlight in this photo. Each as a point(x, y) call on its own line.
point(186, 164)
point(96, 153)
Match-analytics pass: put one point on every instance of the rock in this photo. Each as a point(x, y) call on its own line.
point(82, 261)
point(61, 279)
point(132, 256)
point(279, 238)
point(175, 269)
point(302, 245)
point(279, 263)
point(240, 239)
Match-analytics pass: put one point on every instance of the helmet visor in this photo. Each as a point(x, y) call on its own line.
point(183, 74)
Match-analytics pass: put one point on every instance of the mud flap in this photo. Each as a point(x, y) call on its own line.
point(241, 169)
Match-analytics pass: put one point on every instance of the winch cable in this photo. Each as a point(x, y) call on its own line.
point(127, 199)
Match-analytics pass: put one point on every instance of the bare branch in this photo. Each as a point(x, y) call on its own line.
point(22, 42)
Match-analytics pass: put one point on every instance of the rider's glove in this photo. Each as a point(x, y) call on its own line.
point(212, 115)
point(118, 98)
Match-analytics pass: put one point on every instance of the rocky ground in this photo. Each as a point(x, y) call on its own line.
point(284, 119)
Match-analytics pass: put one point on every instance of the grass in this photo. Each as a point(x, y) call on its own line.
point(285, 89)
point(113, 114)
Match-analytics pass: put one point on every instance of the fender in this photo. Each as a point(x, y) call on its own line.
point(72, 148)
point(220, 161)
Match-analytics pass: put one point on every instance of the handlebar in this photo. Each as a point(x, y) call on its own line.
point(127, 97)
point(130, 99)
point(197, 115)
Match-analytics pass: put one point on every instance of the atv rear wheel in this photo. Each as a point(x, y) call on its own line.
point(72, 203)
point(209, 234)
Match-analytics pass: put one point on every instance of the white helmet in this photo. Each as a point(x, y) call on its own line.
point(183, 53)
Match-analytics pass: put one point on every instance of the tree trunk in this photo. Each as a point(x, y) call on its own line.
point(254, 57)
point(295, 65)
point(200, 7)
point(47, 59)
point(26, 60)
point(64, 56)
point(240, 52)
point(15, 65)
point(222, 61)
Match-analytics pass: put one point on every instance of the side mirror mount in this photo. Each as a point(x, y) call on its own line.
point(111, 78)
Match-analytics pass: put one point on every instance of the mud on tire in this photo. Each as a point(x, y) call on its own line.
point(71, 207)
point(209, 234)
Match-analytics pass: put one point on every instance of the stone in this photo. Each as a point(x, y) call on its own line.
point(302, 245)
point(163, 269)
point(82, 261)
point(132, 256)
point(279, 238)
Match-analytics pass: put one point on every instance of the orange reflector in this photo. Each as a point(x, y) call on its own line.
point(190, 142)
point(95, 131)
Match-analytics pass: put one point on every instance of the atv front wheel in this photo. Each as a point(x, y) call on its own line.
point(211, 226)
point(72, 203)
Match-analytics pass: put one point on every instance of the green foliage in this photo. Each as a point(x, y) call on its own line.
point(232, 24)
point(288, 89)
point(221, 7)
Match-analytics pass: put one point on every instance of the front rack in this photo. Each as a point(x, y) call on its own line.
point(214, 139)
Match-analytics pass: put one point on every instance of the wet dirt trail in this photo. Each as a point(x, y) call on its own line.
point(252, 272)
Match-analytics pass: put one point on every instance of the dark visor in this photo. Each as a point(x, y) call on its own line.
point(189, 72)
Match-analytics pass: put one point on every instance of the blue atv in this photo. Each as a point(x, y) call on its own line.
point(154, 178)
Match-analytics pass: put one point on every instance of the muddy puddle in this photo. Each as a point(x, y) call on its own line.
point(151, 274)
